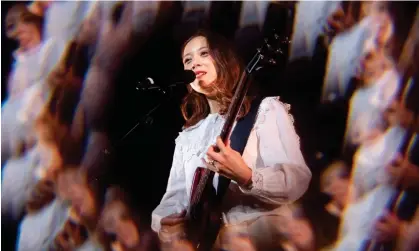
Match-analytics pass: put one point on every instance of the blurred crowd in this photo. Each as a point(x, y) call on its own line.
point(350, 75)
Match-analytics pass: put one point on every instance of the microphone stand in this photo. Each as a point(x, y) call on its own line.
point(143, 120)
point(146, 118)
point(159, 88)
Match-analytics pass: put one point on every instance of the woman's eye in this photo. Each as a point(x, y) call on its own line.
point(187, 61)
point(204, 53)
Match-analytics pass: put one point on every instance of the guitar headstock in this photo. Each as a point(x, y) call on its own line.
point(274, 47)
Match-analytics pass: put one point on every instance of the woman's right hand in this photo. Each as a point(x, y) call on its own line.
point(172, 227)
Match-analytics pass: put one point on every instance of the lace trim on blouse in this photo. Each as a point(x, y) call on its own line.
point(265, 107)
point(189, 146)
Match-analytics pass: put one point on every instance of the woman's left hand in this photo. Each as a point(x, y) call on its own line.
point(387, 228)
point(228, 163)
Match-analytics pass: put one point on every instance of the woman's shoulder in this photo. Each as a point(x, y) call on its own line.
point(273, 105)
point(194, 131)
point(211, 118)
point(273, 102)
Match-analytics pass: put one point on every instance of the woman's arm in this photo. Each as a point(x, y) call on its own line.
point(175, 197)
point(284, 175)
point(409, 237)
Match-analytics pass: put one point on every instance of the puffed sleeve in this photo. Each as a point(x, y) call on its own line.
point(174, 199)
point(281, 175)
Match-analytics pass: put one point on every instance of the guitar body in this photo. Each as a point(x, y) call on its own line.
point(204, 218)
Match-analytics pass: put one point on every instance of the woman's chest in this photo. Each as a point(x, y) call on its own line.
point(372, 159)
point(195, 146)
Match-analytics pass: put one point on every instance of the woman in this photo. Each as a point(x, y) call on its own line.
point(27, 85)
point(309, 228)
point(69, 221)
point(348, 48)
point(25, 29)
point(272, 171)
point(120, 225)
point(86, 199)
point(370, 188)
point(335, 183)
point(23, 177)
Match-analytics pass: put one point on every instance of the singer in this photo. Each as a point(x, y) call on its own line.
point(272, 171)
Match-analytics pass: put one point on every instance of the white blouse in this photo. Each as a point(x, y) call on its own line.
point(370, 191)
point(24, 70)
point(370, 160)
point(38, 230)
point(64, 18)
point(345, 53)
point(253, 13)
point(20, 176)
point(310, 18)
point(280, 174)
point(18, 182)
point(34, 65)
point(368, 104)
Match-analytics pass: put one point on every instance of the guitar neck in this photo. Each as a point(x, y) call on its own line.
point(235, 106)
point(232, 113)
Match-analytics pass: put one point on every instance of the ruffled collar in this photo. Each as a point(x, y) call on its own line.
point(210, 116)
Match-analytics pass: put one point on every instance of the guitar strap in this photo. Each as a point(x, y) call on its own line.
point(238, 140)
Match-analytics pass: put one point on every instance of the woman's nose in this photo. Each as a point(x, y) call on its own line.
point(194, 65)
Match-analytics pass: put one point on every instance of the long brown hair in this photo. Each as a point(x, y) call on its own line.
point(195, 106)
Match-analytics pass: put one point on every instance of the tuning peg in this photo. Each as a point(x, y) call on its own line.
point(276, 36)
point(272, 61)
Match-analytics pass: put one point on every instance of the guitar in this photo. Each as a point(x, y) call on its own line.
point(404, 66)
point(204, 216)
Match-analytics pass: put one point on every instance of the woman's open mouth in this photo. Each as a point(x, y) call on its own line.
point(200, 73)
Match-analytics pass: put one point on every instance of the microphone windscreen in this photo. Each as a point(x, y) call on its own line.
point(188, 76)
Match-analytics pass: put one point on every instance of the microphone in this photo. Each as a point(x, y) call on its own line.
point(186, 77)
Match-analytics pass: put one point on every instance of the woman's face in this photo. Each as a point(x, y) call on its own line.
point(125, 229)
point(299, 231)
point(390, 114)
point(373, 65)
point(28, 36)
point(196, 57)
point(385, 30)
point(83, 201)
point(80, 196)
point(336, 187)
